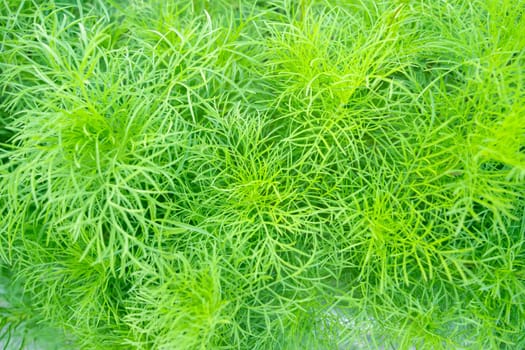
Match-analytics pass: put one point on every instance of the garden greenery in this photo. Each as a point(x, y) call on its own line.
point(280, 174)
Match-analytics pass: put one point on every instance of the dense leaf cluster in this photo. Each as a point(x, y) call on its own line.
point(286, 174)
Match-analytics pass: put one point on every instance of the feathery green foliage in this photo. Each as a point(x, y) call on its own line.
point(281, 174)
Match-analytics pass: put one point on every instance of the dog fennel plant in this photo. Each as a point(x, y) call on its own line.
point(262, 174)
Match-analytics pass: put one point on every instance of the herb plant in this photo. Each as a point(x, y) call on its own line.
point(281, 174)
